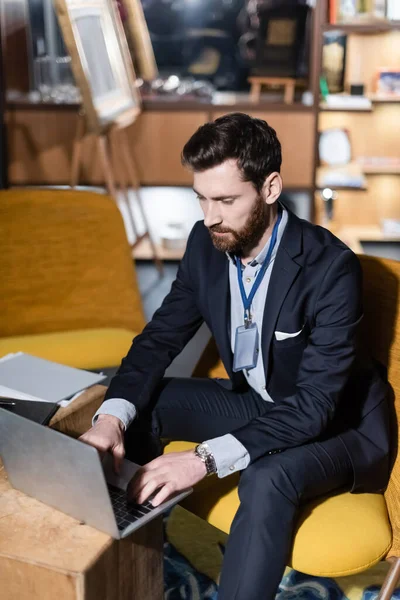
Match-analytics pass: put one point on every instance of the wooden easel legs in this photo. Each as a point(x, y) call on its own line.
point(287, 82)
point(391, 580)
point(116, 154)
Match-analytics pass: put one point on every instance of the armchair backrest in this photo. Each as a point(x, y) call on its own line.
point(65, 263)
point(381, 334)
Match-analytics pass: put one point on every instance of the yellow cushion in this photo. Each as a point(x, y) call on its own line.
point(84, 349)
point(336, 536)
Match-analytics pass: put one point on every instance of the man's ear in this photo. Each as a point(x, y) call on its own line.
point(272, 187)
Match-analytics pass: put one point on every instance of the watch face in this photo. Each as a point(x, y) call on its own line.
point(202, 451)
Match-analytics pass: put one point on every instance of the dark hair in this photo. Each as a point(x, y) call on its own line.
point(252, 142)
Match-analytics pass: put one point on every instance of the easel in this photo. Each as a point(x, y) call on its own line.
point(258, 81)
point(113, 148)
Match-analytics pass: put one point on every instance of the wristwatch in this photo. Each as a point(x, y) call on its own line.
point(205, 454)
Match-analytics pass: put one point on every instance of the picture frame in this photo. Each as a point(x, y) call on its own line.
point(101, 62)
point(139, 40)
point(387, 83)
point(280, 40)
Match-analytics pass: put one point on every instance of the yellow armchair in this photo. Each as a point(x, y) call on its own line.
point(68, 284)
point(347, 533)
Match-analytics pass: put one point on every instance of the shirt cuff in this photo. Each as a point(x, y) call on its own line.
point(229, 454)
point(117, 407)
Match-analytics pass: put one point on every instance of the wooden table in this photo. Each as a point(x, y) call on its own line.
point(46, 555)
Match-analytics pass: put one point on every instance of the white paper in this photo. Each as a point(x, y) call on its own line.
point(6, 392)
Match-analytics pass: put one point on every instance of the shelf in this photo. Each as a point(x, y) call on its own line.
point(379, 165)
point(221, 101)
point(360, 28)
point(376, 99)
point(326, 108)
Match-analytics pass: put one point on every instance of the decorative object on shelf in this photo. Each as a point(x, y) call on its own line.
point(387, 82)
point(138, 38)
point(357, 89)
point(102, 66)
point(307, 98)
point(334, 60)
point(177, 88)
point(337, 169)
point(334, 147)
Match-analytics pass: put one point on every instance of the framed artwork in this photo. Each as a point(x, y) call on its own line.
point(100, 60)
point(280, 40)
point(387, 83)
point(139, 41)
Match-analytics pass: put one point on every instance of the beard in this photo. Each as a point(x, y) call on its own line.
point(249, 236)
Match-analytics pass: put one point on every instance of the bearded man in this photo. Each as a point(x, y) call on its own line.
point(301, 414)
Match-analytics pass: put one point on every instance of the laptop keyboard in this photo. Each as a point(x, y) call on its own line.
point(125, 513)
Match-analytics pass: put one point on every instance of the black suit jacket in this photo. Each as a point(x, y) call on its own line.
point(319, 385)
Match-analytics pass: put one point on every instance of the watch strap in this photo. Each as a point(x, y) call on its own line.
point(205, 454)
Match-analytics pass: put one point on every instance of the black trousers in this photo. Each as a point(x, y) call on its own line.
point(271, 490)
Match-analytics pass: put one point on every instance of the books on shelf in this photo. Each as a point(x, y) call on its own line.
point(379, 164)
point(342, 176)
point(27, 377)
point(362, 12)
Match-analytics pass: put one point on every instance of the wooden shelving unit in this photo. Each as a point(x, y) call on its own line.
point(372, 131)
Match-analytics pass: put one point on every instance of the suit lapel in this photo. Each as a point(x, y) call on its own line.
point(284, 273)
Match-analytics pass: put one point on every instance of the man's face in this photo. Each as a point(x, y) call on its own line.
point(234, 212)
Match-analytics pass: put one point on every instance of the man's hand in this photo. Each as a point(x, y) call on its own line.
point(107, 435)
point(170, 474)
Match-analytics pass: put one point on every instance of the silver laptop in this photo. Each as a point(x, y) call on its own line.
point(70, 476)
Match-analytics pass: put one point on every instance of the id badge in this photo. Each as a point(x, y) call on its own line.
point(246, 347)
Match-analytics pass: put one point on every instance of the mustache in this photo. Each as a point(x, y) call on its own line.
point(218, 229)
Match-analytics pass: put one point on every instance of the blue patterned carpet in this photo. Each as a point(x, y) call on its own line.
point(193, 553)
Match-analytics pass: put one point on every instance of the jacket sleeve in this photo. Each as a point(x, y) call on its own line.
point(324, 368)
point(163, 338)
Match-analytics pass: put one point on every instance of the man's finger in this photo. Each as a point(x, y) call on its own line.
point(145, 491)
point(118, 454)
point(164, 494)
